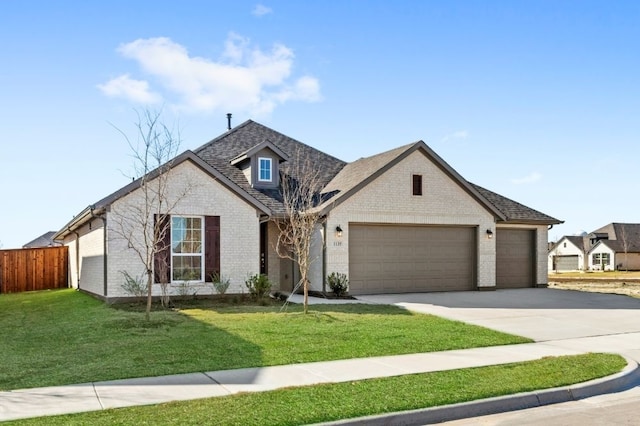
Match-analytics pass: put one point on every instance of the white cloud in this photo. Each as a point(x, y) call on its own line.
point(134, 90)
point(460, 134)
point(245, 78)
point(261, 10)
point(530, 178)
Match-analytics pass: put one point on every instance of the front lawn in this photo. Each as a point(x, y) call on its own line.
point(321, 403)
point(64, 337)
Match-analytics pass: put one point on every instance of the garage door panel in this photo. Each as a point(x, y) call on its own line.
point(566, 263)
point(515, 258)
point(392, 259)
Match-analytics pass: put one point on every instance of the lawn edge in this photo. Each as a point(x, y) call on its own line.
point(623, 380)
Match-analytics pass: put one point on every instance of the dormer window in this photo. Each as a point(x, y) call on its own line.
point(260, 164)
point(264, 169)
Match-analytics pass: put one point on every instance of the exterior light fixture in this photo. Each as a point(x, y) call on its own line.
point(338, 231)
point(489, 234)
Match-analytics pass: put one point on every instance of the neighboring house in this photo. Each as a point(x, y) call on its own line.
point(568, 254)
point(44, 240)
point(399, 221)
point(615, 246)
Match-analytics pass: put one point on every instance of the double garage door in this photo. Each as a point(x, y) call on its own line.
point(406, 259)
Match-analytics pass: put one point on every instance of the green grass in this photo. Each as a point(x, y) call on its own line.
point(64, 337)
point(312, 404)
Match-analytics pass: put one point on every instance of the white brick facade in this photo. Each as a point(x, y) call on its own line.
point(86, 262)
point(239, 242)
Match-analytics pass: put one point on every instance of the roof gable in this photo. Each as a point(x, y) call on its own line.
point(105, 202)
point(575, 240)
point(355, 176)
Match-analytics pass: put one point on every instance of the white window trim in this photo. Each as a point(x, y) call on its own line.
point(202, 242)
point(270, 169)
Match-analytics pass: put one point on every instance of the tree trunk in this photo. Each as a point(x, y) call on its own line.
point(147, 314)
point(306, 294)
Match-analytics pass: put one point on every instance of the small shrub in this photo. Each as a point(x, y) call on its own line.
point(184, 289)
point(220, 283)
point(338, 282)
point(135, 286)
point(258, 285)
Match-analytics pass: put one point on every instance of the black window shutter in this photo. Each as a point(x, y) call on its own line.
point(162, 257)
point(211, 246)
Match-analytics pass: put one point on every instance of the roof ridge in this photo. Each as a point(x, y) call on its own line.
point(225, 134)
point(400, 149)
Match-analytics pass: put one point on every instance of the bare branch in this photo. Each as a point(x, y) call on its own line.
point(144, 221)
point(301, 186)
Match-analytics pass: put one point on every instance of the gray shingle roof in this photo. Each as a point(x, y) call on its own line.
point(514, 211)
point(338, 178)
point(44, 240)
point(242, 138)
point(578, 240)
point(619, 234)
point(618, 246)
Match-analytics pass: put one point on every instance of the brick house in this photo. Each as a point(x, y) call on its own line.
point(399, 221)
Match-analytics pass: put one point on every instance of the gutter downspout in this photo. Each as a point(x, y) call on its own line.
point(77, 256)
point(324, 255)
point(104, 248)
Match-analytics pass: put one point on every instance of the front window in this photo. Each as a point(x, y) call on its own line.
point(264, 169)
point(187, 255)
point(601, 259)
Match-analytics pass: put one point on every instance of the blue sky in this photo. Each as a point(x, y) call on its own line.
point(536, 100)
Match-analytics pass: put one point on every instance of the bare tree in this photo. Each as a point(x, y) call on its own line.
point(301, 185)
point(144, 221)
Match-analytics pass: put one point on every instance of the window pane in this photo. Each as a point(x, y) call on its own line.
point(186, 235)
point(187, 268)
point(264, 169)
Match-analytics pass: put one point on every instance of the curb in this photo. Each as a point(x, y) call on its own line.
point(626, 379)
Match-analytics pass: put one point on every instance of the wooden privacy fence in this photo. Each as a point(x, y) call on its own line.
point(31, 269)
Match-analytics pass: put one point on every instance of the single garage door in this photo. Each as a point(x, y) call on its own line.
point(566, 263)
point(406, 259)
point(515, 255)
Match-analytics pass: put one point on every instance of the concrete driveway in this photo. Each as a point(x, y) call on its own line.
point(579, 320)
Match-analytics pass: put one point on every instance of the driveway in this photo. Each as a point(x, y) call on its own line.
point(585, 321)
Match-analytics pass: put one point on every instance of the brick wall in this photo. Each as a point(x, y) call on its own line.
point(239, 230)
point(389, 199)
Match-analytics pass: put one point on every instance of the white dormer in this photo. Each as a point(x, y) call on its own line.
point(261, 164)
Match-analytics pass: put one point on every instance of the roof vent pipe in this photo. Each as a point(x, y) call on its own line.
point(228, 121)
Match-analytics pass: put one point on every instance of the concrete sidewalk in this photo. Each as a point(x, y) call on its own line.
point(152, 390)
